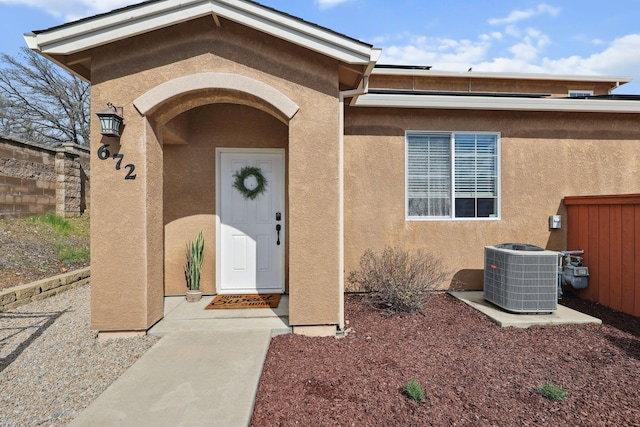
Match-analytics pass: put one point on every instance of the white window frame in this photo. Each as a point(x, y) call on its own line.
point(577, 93)
point(452, 216)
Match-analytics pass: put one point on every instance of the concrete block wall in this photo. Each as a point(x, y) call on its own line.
point(19, 295)
point(36, 180)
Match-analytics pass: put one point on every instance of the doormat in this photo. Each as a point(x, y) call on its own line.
point(245, 301)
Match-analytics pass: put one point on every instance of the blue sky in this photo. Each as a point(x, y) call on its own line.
point(559, 37)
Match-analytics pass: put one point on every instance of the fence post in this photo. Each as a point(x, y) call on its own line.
point(68, 186)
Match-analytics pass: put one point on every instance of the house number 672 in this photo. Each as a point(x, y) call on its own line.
point(104, 154)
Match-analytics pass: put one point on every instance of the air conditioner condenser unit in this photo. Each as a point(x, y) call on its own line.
point(521, 278)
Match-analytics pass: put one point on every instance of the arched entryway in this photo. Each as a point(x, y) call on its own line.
point(203, 122)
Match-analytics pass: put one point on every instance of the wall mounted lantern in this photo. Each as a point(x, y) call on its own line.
point(111, 120)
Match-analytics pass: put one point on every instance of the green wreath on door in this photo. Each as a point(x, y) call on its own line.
point(254, 189)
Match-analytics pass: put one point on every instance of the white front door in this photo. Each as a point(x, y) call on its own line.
point(252, 238)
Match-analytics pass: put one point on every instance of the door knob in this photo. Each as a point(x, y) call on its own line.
point(278, 228)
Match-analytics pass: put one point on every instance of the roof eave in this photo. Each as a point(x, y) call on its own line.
point(424, 72)
point(498, 103)
point(128, 22)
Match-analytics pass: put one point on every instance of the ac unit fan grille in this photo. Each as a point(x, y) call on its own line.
point(521, 281)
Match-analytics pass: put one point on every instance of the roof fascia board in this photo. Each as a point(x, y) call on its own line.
point(490, 75)
point(104, 29)
point(497, 103)
point(75, 36)
point(294, 30)
point(110, 28)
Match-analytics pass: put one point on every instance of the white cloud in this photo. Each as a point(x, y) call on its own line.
point(70, 10)
point(513, 31)
point(529, 48)
point(524, 52)
point(613, 60)
point(326, 4)
point(493, 35)
point(514, 49)
point(520, 15)
point(446, 53)
point(525, 55)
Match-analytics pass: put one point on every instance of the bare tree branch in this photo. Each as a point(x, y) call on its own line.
point(41, 102)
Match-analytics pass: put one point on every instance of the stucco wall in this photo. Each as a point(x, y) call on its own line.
point(544, 157)
point(132, 220)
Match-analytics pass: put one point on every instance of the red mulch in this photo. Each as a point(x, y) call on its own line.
point(475, 373)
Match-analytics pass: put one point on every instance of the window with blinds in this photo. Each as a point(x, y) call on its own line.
point(452, 175)
point(580, 93)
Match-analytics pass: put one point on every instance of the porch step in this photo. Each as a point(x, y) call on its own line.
point(181, 316)
point(277, 326)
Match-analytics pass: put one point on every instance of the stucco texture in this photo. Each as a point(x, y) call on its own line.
point(471, 83)
point(544, 157)
point(135, 222)
point(189, 181)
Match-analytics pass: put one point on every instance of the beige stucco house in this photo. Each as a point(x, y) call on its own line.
point(355, 155)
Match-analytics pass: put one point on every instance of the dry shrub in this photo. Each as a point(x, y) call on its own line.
point(398, 280)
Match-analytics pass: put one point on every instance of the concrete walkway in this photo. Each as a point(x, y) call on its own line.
point(204, 371)
point(562, 316)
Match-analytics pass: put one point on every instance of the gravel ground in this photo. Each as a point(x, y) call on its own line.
point(51, 364)
point(475, 373)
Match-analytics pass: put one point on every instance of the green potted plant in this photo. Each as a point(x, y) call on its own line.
point(192, 268)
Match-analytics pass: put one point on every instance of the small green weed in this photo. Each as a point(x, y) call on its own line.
point(552, 391)
point(60, 224)
point(415, 391)
point(68, 254)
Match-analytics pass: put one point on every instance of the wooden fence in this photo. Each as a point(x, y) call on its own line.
point(607, 228)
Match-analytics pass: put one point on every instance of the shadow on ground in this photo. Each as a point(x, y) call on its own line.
point(16, 339)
